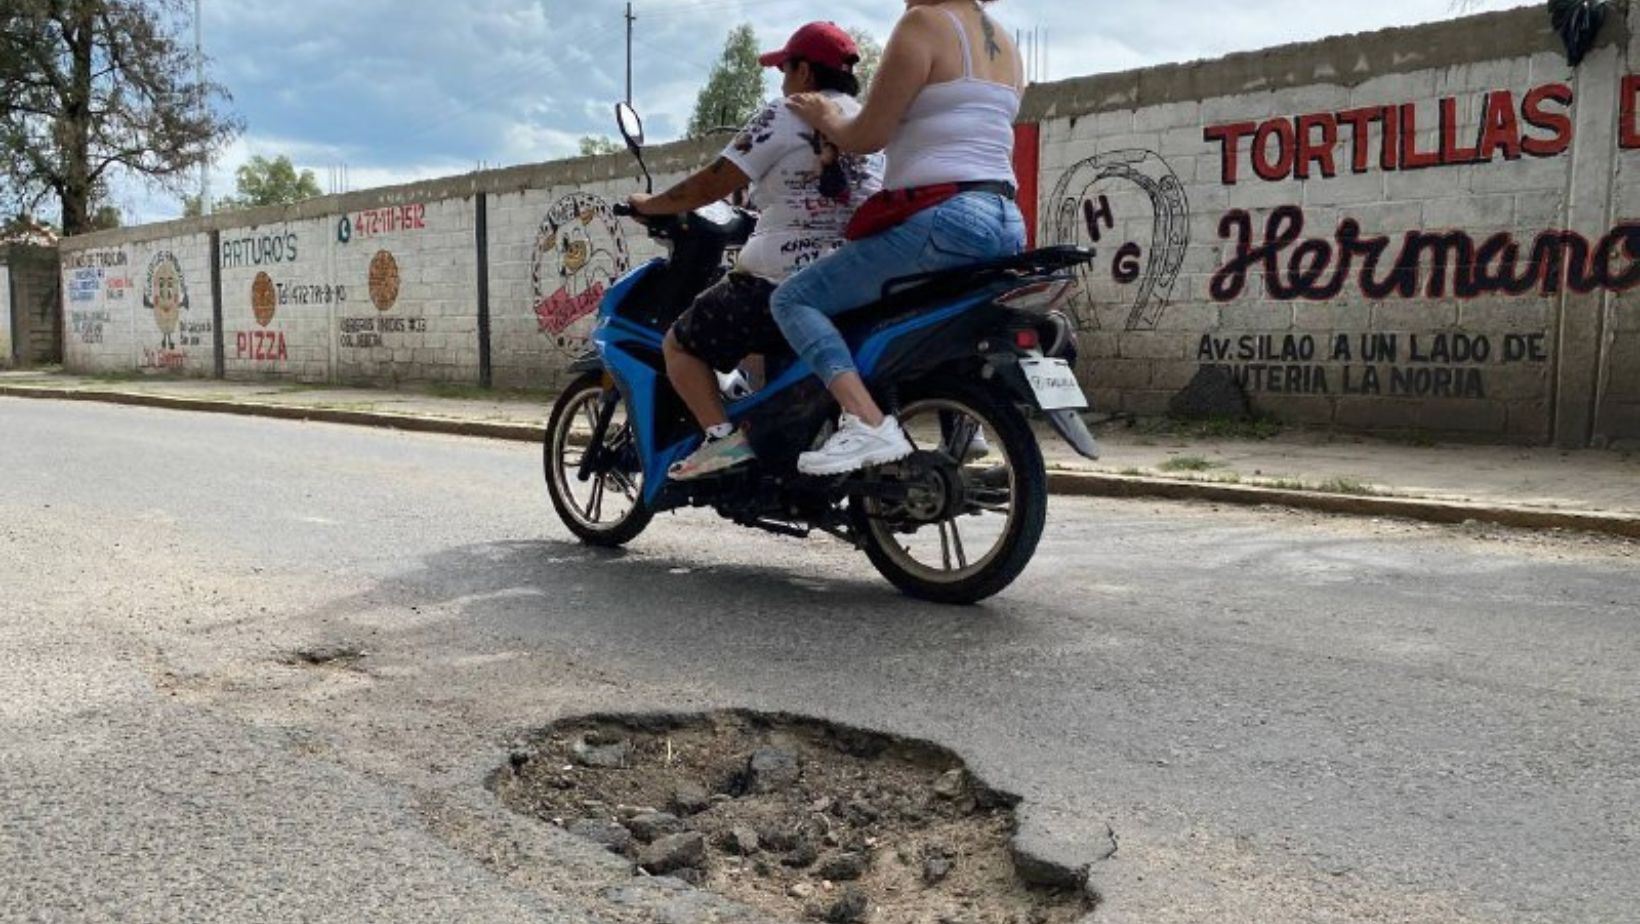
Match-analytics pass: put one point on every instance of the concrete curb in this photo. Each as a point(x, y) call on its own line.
point(524, 433)
point(1095, 484)
point(1060, 481)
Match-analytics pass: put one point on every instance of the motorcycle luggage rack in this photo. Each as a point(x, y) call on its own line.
point(1031, 263)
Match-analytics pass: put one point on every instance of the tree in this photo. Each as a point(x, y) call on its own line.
point(594, 145)
point(871, 55)
point(734, 92)
point(271, 182)
point(93, 88)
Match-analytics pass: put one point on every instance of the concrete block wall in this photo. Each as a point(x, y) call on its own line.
point(1222, 219)
point(1375, 232)
point(7, 359)
point(553, 253)
point(144, 306)
point(488, 278)
point(1619, 387)
point(30, 307)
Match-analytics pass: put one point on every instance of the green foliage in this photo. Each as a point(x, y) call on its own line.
point(272, 182)
point(735, 91)
point(596, 145)
point(871, 55)
point(92, 89)
point(262, 182)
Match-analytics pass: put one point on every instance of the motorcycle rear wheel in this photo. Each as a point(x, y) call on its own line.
point(1003, 502)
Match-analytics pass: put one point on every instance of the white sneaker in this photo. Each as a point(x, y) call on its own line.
point(855, 446)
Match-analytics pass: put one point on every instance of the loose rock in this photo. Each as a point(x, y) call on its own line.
point(803, 855)
point(950, 785)
point(652, 825)
point(935, 869)
point(850, 907)
point(845, 867)
point(675, 852)
point(602, 756)
point(771, 770)
point(690, 799)
point(743, 841)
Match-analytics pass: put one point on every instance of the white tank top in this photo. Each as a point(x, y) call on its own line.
point(960, 131)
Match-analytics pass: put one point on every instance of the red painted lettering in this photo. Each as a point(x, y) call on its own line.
point(1389, 158)
point(1452, 152)
point(1559, 124)
point(1411, 157)
point(1500, 127)
point(1319, 151)
point(1281, 132)
point(1360, 122)
point(1229, 136)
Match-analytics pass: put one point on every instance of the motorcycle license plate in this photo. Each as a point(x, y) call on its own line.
point(1055, 384)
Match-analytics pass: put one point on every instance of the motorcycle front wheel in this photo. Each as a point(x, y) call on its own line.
point(606, 507)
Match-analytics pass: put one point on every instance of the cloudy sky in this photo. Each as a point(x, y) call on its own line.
point(398, 90)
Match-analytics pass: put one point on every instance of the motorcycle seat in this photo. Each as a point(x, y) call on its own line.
point(907, 294)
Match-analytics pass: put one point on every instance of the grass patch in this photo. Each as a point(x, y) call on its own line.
point(1131, 473)
point(1188, 464)
point(460, 391)
point(1214, 428)
point(1346, 486)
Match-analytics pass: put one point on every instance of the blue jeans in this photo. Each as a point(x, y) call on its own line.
point(970, 228)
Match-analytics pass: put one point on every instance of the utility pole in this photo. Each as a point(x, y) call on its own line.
point(199, 78)
point(630, 19)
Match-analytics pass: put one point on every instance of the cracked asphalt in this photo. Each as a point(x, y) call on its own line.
point(1273, 717)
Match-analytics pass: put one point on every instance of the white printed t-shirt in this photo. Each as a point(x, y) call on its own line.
point(801, 217)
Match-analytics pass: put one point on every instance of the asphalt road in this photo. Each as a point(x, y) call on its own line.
point(1281, 717)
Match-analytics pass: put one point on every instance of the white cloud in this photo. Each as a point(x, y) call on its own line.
point(404, 89)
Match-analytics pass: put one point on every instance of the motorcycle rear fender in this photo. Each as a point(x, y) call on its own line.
point(1004, 367)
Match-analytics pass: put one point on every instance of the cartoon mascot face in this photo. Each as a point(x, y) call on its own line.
point(580, 249)
point(166, 296)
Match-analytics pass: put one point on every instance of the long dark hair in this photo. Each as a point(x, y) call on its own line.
point(830, 78)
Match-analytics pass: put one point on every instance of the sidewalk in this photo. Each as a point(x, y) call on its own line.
point(1513, 486)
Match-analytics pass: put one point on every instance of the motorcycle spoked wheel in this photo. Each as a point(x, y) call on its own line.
point(960, 550)
point(607, 509)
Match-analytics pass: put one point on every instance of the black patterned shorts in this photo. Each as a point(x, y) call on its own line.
point(729, 322)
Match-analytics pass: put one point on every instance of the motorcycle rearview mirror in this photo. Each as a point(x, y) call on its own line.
point(632, 130)
point(631, 125)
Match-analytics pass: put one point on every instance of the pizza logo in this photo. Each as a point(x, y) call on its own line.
point(580, 250)
point(264, 299)
point(384, 281)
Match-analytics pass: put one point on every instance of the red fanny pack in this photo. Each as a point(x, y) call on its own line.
point(892, 207)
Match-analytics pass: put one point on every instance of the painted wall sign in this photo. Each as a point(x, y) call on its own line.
point(1426, 264)
point(259, 250)
point(1536, 123)
point(375, 222)
point(580, 249)
point(1143, 265)
point(166, 295)
point(100, 259)
point(384, 281)
point(1415, 365)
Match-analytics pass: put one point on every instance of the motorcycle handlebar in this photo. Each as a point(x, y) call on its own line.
point(623, 210)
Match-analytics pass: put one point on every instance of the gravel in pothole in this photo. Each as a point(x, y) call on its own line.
point(800, 819)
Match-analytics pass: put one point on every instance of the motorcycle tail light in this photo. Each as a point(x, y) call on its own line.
point(1027, 339)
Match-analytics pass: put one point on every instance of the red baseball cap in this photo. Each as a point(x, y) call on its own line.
point(821, 42)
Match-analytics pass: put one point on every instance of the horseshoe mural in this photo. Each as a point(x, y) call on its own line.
point(1150, 241)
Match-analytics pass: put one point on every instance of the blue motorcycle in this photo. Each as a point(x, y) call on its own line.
point(965, 358)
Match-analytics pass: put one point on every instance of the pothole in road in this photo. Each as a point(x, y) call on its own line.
point(801, 819)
